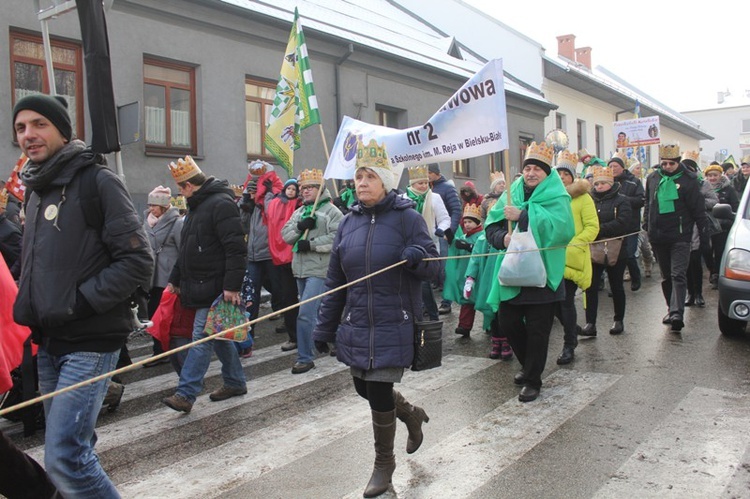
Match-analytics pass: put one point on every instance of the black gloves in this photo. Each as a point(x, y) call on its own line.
point(307, 223)
point(439, 232)
point(413, 255)
point(463, 245)
point(339, 203)
point(322, 347)
point(449, 235)
point(303, 246)
point(268, 183)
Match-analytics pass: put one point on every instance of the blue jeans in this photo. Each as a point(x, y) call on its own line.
point(69, 439)
point(308, 313)
point(199, 357)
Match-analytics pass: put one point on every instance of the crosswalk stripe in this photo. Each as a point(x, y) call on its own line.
point(696, 448)
point(228, 466)
point(475, 454)
point(151, 423)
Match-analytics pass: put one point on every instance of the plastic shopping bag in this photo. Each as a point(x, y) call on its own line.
point(522, 265)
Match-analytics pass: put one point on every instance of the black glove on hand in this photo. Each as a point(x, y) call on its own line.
point(449, 236)
point(439, 232)
point(307, 223)
point(268, 183)
point(413, 255)
point(463, 245)
point(303, 246)
point(322, 347)
point(339, 203)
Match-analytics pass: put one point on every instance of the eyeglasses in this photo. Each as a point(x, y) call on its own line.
point(308, 187)
point(668, 163)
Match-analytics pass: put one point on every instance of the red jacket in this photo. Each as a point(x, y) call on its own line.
point(278, 211)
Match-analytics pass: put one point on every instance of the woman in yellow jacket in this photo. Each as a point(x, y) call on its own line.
point(578, 255)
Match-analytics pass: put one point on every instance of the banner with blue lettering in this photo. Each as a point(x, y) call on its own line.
point(471, 123)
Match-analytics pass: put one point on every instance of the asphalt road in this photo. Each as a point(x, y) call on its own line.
point(645, 414)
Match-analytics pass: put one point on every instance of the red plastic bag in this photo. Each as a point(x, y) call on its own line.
point(162, 319)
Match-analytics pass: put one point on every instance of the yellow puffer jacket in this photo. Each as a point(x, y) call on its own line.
point(578, 254)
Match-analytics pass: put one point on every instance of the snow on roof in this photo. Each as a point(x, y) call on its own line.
point(382, 26)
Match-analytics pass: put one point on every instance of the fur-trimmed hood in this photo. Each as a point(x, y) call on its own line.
point(578, 187)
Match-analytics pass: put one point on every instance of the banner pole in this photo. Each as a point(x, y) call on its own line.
point(328, 157)
point(506, 168)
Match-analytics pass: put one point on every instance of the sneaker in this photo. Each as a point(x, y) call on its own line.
point(226, 392)
point(444, 308)
point(626, 276)
point(302, 367)
point(178, 403)
point(463, 331)
point(288, 346)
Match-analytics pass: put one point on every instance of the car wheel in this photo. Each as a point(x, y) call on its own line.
point(729, 326)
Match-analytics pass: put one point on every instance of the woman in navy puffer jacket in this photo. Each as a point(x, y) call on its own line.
point(372, 322)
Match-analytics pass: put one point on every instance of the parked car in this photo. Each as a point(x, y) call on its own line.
point(734, 272)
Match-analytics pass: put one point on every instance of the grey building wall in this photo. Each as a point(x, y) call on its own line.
point(226, 44)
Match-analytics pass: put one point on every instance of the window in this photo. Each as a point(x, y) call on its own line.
point(581, 133)
point(599, 140)
point(461, 168)
point(523, 142)
point(388, 116)
point(258, 104)
point(560, 121)
point(29, 72)
point(169, 106)
point(745, 126)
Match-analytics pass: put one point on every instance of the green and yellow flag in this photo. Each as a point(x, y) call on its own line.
point(295, 106)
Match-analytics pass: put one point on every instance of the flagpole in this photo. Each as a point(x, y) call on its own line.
point(328, 157)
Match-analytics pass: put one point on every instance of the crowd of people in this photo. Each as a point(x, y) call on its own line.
point(83, 253)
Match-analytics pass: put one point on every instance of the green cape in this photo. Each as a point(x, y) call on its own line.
point(455, 269)
point(551, 221)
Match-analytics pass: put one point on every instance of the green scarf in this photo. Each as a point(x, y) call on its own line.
point(667, 192)
point(551, 220)
point(417, 198)
point(307, 213)
point(348, 196)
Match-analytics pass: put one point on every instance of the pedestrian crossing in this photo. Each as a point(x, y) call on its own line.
point(697, 450)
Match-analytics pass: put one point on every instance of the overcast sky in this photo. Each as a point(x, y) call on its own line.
point(680, 53)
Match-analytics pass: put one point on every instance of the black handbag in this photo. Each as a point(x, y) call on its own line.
point(428, 345)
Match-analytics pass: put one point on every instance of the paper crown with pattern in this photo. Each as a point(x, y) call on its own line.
point(632, 161)
point(372, 155)
point(694, 156)
point(496, 177)
point(745, 160)
point(567, 159)
point(621, 155)
point(184, 170)
point(418, 173)
point(238, 190)
point(179, 202)
point(602, 174)
point(472, 211)
point(583, 154)
point(3, 199)
point(669, 151)
point(310, 177)
point(258, 167)
point(540, 152)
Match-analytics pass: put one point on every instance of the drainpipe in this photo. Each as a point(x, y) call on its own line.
point(342, 59)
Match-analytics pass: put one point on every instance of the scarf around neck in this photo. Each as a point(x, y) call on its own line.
point(666, 193)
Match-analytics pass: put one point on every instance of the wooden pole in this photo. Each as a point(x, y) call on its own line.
point(508, 182)
point(328, 157)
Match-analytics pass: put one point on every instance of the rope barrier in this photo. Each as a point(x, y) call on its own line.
point(162, 355)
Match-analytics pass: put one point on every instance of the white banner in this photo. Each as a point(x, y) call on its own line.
point(471, 123)
point(637, 132)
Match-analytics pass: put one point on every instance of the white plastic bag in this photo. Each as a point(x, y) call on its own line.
point(522, 265)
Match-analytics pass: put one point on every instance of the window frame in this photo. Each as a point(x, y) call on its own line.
point(77, 69)
point(581, 133)
point(250, 80)
point(168, 148)
point(461, 168)
point(599, 130)
point(385, 113)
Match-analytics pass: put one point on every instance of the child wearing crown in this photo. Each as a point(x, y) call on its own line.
point(455, 268)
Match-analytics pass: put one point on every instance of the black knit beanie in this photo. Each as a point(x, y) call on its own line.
point(541, 164)
point(54, 108)
point(617, 160)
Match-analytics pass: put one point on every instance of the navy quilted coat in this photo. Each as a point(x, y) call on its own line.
point(372, 321)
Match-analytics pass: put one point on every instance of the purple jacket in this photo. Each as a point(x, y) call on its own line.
point(372, 322)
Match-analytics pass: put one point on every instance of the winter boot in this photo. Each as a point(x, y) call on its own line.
point(496, 346)
point(113, 397)
point(506, 352)
point(413, 417)
point(384, 429)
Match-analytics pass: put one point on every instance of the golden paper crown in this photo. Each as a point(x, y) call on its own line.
point(583, 153)
point(417, 173)
point(745, 160)
point(184, 170)
point(310, 177)
point(372, 155)
point(669, 151)
point(179, 202)
point(567, 159)
point(496, 177)
point(692, 155)
point(472, 211)
point(622, 155)
point(632, 162)
point(3, 199)
point(602, 174)
point(541, 152)
point(238, 190)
